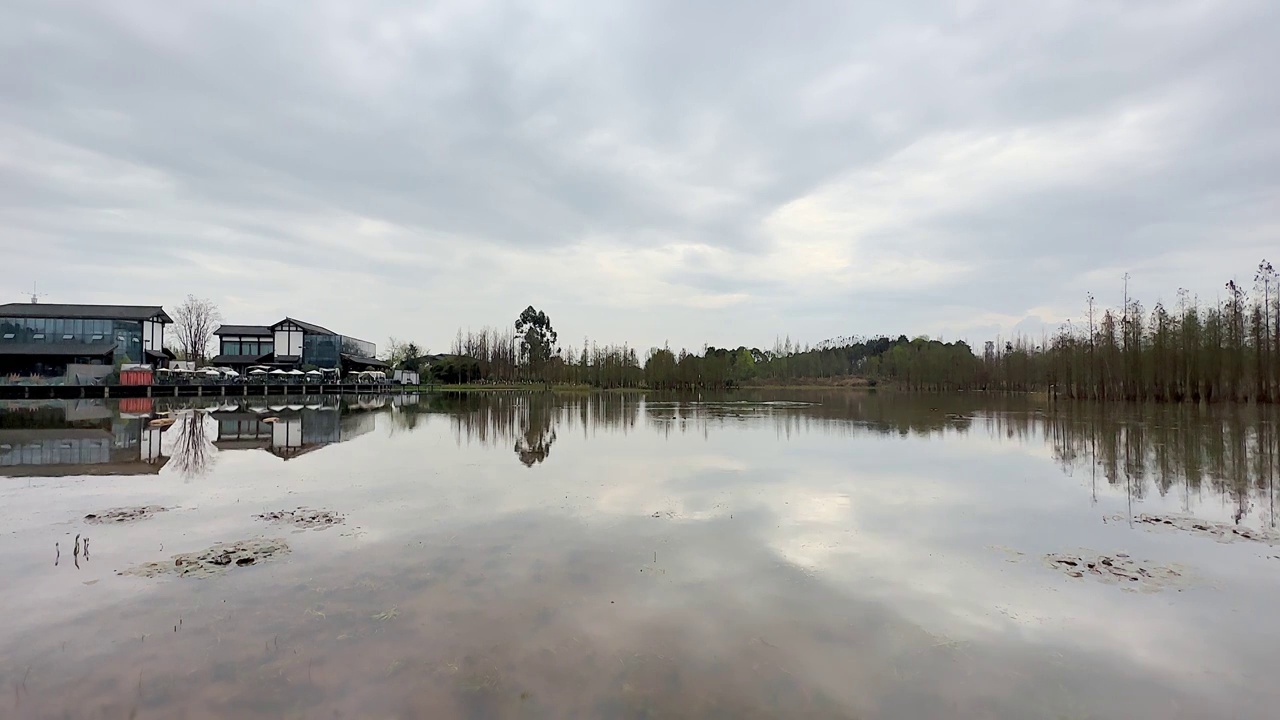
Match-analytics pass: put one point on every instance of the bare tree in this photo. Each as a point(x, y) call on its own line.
point(195, 321)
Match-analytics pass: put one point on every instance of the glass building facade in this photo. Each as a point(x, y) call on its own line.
point(352, 346)
point(126, 335)
point(323, 351)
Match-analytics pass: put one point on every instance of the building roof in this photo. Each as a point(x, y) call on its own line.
point(60, 349)
point(309, 327)
point(255, 330)
point(89, 312)
point(288, 358)
point(367, 361)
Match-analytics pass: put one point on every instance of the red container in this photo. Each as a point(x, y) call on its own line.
point(135, 377)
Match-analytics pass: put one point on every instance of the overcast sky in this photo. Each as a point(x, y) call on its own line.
point(719, 172)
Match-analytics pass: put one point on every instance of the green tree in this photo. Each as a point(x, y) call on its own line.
point(537, 340)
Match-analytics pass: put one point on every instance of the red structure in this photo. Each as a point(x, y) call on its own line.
point(135, 377)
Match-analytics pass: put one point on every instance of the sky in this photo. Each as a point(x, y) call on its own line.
point(723, 172)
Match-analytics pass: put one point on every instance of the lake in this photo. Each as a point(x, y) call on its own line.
point(513, 555)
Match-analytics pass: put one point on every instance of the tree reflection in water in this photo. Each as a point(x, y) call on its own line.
point(538, 430)
point(193, 452)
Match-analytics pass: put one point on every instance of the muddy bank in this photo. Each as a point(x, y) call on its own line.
point(304, 518)
point(119, 516)
point(1222, 532)
point(214, 560)
point(1119, 569)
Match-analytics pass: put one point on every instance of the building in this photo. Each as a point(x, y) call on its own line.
point(293, 343)
point(45, 339)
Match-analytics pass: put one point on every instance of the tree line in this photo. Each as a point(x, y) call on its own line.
point(1227, 350)
point(1195, 351)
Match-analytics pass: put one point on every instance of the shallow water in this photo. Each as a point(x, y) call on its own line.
point(764, 555)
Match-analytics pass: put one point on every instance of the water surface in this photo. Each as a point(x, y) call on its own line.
point(763, 555)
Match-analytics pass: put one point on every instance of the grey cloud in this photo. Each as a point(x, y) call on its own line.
point(495, 130)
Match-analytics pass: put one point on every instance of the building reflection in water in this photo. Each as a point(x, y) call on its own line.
point(289, 428)
point(133, 436)
point(79, 437)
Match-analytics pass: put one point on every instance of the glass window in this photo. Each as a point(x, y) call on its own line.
point(230, 347)
point(265, 347)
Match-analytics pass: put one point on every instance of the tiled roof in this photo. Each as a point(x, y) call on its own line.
point(89, 312)
point(253, 330)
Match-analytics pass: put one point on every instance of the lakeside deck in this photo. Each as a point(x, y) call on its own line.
point(73, 392)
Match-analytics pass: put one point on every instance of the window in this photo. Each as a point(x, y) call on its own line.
point(230, 347)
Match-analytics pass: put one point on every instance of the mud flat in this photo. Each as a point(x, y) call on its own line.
point(124, 515)
point(1119, 569)
point(215, 560)
point(304, 518)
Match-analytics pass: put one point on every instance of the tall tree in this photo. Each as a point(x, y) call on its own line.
point(195, 321)
point(537, 340)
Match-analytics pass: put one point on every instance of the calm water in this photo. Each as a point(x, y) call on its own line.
point(789, 555)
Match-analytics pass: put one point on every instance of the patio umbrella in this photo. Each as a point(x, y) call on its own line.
point(314, 372)
point(296, 371)
point(212, 372)
point(258, 371)
point(230, 373)
point(277, 371)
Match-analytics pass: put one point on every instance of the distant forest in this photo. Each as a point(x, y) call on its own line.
point(1228, 350)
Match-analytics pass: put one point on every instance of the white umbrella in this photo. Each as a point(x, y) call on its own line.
point(230, 373)
point(259, 371)
point(314, 372)
point(163, 370)
point(211, 372)
point(277, 371)
point(296, 371)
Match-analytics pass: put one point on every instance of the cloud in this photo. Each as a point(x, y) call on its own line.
point(646, 172)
